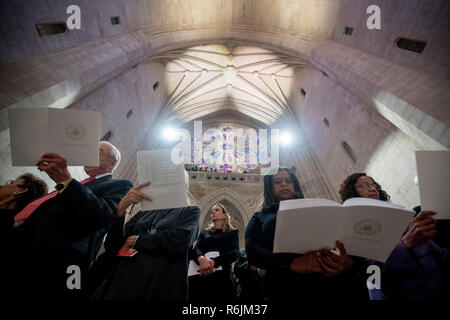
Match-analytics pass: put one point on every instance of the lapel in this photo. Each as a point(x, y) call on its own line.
point(94, 183)
point(162, 216)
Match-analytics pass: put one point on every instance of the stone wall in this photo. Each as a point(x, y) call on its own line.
point(132, 90)
point(425, 20)
point(382, 150)
point(19, 38)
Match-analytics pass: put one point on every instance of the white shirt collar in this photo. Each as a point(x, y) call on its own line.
point(102, 175)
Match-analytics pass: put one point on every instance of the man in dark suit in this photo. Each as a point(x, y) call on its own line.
point(61, 236)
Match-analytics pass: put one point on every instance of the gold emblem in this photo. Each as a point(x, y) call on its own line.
point(75, 131)
point(367, 227)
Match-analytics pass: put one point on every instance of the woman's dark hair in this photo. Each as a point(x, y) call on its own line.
point(348, 189)
point(36, 189)
point(269, 197)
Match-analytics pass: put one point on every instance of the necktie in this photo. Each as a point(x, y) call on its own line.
point(87, 180)
point(32, 206)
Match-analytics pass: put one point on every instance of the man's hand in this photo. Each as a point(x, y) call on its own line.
point(421, 228)
point(55, 166)
point(133, 196)
point(307, 263)
point(129, 243)
point(333, 264)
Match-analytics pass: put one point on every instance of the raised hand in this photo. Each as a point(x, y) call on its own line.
point(133, 196)
point(421, 228)
point(7, 201)
point(55, 166)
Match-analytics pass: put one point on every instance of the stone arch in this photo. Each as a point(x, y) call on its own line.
point(237, 206)
point(259, 201)
point(191, 198)
point(225, 193)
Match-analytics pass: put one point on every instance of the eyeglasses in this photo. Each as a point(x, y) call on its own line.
point(14, 182)
point(367, 186)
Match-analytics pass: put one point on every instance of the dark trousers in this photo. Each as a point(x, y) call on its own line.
point(218, 288)
point(46, 277)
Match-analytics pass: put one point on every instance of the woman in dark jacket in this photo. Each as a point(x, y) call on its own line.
point(319, 275)
point(160, 241)
point(417, 268)
point(15, 195)
point(213, 285)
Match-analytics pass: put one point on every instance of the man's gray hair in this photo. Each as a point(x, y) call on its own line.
point(115, 153)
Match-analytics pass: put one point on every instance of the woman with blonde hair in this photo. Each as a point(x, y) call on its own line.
point(227, 226)
point(213, 284)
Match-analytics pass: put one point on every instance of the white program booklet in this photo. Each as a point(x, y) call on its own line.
point(168, 185)
point(72, 134)
point(433, 172)
point(368, 228)
point(193, 267)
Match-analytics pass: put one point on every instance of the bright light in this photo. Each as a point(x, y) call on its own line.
point(286, 138)
point(170, 134)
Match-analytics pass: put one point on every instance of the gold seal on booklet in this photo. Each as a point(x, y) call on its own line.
point(75, 131)
point(367, 227)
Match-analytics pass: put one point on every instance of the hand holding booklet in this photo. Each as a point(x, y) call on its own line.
point(194, 267)
point(168, 185)
point(72, 134)
point(368, 228)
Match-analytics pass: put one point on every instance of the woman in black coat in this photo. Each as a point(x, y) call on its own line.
point(418, 268)
point(154, 248)
point(318, 274)
point(15, 195)
point(213, 285)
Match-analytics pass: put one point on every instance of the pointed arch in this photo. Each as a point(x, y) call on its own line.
point(241, 204)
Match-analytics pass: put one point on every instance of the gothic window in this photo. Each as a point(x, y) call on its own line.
point(349, 151)
point(411, 45)
point(48, 29)
point(115, 20)
point(348, 31)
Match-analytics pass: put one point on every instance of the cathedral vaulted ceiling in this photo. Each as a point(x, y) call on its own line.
point(253, 81)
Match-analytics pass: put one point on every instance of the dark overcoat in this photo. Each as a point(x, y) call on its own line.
point(159, 270)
